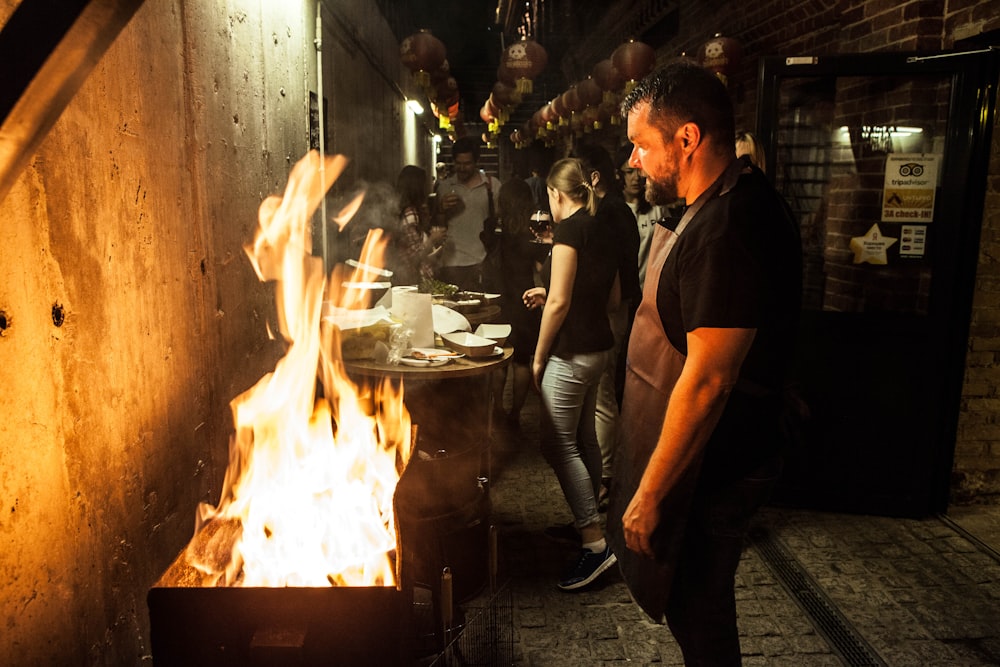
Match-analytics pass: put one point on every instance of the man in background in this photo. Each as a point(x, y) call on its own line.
point(466, 200)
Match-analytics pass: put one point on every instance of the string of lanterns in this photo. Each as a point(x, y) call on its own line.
point(586, 106)
point(520, 63)
point(425, 56)
point(592, 104)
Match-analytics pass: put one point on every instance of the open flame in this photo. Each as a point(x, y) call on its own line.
point(308, 496)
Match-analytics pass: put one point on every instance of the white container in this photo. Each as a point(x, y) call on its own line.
point(469, 344)
point(495, 332)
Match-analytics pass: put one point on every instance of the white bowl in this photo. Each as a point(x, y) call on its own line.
point(495, 332)
point(469, 344)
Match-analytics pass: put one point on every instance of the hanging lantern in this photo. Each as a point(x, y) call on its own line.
point(440, 75)
point(549, 117)
point(444, 92)
point(720, 55)
point(538, 124)
point(517, 139)
point(608, 79)
point(590, 93)
point(422, 53)
point(611, 111)
point(522, 62)
point(574, 105)
point(505, 95)
point(560, 110)
point(502, 111)
point(486, 113)
point(634, 60)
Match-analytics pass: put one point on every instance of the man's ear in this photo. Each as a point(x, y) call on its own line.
point(689, 137)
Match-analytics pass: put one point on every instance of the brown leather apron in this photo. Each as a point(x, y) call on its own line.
point(652, 370)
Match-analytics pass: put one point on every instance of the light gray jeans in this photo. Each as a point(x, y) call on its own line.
point(568, 430)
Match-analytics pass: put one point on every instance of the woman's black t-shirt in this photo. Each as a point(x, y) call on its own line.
point(586, 327)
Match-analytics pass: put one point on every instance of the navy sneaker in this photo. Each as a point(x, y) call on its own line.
point(590, 566)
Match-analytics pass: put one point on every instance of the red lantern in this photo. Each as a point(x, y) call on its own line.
point(488, 112)
point(500, 111)
point(536, 125)
point(522, 62)
point(444, 90)
point(608, 78)
point(549, 117)
point(422, 53)
point(590, 93)
point(505, 95)
point(572, 101)
point(559, 108)
point(633, 60)
point(611, 111)
point(441, 74)
point(720, 55)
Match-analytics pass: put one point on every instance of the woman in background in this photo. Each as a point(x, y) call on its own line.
point(518, 257)
point(579, 280)
point(415, 243)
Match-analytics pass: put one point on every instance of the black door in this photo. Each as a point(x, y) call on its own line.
point(883, 158)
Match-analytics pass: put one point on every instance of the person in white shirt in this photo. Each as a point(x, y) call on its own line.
point(464, 200)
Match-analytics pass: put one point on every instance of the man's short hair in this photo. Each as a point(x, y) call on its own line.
point(467, 145)
point(683, 92)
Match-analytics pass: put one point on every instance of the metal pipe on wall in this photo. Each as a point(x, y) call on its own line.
point(48, 50)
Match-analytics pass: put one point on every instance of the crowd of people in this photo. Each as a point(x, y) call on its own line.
point(653, 292)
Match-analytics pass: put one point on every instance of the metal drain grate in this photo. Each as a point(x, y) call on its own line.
point(825, 616)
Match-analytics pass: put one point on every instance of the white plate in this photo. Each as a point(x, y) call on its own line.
point(424, 363)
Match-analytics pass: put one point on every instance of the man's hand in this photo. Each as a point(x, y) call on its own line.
point(638, 523)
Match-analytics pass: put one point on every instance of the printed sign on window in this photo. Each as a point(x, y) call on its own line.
point(910, 180)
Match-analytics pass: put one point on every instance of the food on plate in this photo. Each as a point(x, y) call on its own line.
point(427, 353)
point(433, 286)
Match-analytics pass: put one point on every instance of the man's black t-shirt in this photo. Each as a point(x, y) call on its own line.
point(737, 264)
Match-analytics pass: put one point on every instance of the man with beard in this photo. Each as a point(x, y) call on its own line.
point(699, 447)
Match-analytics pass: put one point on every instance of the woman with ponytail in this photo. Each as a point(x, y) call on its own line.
point(580, 280)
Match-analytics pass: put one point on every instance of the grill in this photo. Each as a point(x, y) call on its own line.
point(257, 627)
point(447, 554)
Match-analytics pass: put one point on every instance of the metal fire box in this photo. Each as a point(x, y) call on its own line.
point(263, 627)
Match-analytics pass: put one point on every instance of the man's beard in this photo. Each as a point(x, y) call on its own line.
point(661, 193)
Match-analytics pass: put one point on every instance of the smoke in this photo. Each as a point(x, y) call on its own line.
point(379, 210)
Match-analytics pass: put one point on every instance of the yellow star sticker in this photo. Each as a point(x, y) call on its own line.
point(871, 247)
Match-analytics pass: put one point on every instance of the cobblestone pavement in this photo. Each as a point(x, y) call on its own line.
point(862, 590)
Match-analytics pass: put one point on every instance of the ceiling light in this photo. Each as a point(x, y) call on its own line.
point(415, 107)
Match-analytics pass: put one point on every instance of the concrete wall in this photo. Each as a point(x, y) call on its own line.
point(130, 314)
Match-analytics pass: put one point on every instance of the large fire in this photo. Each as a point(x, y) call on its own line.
point(308, 495)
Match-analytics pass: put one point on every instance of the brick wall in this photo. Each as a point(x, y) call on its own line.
point(976, 473)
